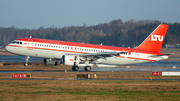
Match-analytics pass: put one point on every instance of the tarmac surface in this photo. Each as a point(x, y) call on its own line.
point(104, 69)
point(39, 72)
point(78, 79)
point(143, 72)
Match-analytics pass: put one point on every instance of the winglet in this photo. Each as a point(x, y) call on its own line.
point(155, 40)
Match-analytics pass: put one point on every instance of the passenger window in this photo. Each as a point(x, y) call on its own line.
point(21, 43)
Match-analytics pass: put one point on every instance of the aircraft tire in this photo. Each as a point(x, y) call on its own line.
point(87, 68)
point(25, 64)
point(75, 68)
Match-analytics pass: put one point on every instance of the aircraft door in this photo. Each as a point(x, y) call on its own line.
point(73, 49)
point(30, 44)
point(137, 55)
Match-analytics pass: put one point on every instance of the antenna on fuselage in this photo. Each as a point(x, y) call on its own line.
point(101, 44)
point(30, 37)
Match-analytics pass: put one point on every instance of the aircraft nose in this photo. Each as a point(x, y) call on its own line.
point(12, 49)
point(7, 48)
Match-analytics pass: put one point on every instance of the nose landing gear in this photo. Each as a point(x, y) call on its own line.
point(27, 59)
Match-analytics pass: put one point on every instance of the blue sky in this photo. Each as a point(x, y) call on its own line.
point(32, 14)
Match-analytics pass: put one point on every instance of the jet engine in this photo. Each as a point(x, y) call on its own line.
point(52, 62)
point(70, 60)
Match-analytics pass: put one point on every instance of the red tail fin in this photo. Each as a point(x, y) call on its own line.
point(154, 41)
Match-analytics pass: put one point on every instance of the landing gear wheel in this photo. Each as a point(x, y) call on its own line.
point(25, 64)
point(75, 68)
point(87, 68)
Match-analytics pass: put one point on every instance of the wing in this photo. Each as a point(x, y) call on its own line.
point(104, 55)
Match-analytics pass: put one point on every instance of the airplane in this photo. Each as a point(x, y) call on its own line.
point(80, 54)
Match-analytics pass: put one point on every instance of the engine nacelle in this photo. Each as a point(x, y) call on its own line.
point(70, 60)
point(52, 62)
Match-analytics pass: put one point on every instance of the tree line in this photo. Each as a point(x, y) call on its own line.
point(115, 33)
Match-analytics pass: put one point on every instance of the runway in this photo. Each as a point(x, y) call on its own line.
point(105, 69)
point(103, 73)
point(79, 79)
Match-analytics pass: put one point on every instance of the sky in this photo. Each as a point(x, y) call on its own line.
point(32, 14)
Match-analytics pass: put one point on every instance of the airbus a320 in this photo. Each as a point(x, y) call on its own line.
point(81, 54)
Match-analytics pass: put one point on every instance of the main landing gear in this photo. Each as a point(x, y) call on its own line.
point(86, 68)
point(27, 59)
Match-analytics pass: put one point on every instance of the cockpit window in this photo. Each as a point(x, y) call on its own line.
point(14, 41)
point(17, 42)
